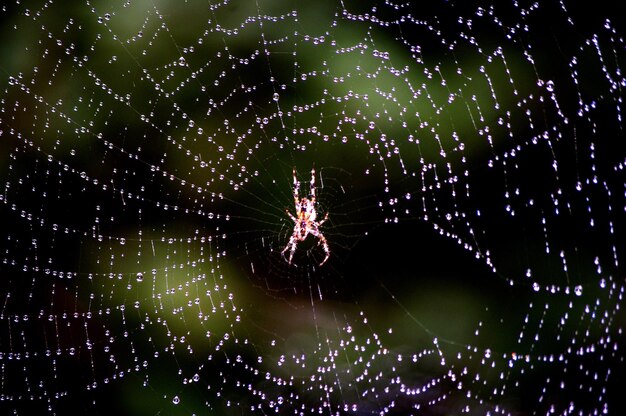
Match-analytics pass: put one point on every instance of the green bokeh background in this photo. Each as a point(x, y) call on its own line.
point(100, 71)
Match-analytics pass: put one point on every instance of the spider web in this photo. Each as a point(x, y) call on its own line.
point(470, 158)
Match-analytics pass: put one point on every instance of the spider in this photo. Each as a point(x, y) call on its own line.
point(304, 220)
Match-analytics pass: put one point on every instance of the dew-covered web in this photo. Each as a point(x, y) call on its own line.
point(470, 158)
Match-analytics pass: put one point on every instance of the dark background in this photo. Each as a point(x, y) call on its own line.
point(84, 192)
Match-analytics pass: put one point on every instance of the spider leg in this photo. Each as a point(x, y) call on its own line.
point(313, 185)
point(291, 216)
point(325, 247)
point(292, 243)
point(323, 242)
point(322, 221)
point(296, 188)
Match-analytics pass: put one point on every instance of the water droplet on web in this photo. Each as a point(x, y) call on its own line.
point(176, 400)
point(578, 290)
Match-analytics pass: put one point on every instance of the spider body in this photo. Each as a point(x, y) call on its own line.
point(305, 220)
